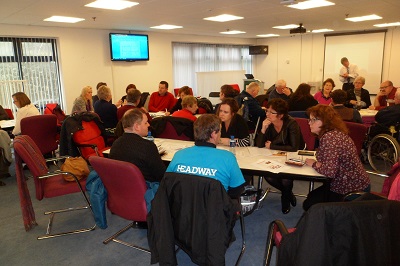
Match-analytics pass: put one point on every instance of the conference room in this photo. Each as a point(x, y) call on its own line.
point(83, 58)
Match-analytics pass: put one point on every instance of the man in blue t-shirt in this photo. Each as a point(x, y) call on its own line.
point(204, 159)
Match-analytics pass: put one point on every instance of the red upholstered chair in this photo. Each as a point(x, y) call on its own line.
point(43, 131)
point(9, 113)
point(235, 87)
point(89, 140)
point(169, 127)
point(47, 185)
point(125, 187)
point(308, 137)
point(358, 133)
point(55, 109)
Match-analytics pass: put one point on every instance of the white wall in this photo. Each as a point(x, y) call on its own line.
point(300, 58)
point(85, 58)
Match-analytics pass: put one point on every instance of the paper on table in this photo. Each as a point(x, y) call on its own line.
point(270, 165)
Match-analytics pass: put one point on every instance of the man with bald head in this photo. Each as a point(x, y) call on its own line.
point(385, 97)
point(281, 91)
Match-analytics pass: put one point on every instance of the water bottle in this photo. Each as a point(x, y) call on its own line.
point(232, 145)
point(150, 137)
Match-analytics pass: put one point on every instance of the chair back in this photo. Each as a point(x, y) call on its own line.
point(125, 187)
point(235, 87)
point(300, 114)
point(308, 137)
point(55, 109)
point(28, 152)
point(169, 127)
point(358, 133)
point(43, 131)
point(9, 113)
point(262, 100)
point(89, 134)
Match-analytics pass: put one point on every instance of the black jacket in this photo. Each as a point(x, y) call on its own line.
point(195, 213)
point(389, 116)
point(289, 139)
point(364, 97)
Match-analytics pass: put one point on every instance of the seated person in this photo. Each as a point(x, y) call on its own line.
point(390, 115)
point(280, 91)
point(233, 124)
point(301, 99)
point(25, 109)
point(161, 100)
point(204, 159)
point(189, 104)
point(337, 158)
point(226, 91)
point(184, 91)
point(280, 132)
point(129, 87)
point(84, 103)
point(132, 101)
point(105, 109)
point(385, 97)
point(132, 147)
point(358, 97)
point(3, 114)
point(95, 98)
point(324, 96)
point(348, 114)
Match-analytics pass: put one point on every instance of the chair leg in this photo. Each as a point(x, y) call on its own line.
point(269, 245)
point(114, 238)
point(243, 229)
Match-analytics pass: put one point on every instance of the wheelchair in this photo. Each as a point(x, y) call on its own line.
point(381, 147)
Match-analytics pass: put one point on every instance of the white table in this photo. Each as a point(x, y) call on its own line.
point(7, 124)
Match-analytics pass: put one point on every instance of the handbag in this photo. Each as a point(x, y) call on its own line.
point(77, 166)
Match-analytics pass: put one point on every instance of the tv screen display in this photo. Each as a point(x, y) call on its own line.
point(129, 47)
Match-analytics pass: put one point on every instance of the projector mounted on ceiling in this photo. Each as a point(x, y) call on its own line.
point(300, 29)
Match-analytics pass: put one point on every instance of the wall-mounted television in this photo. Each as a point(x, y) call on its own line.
point(129, 47)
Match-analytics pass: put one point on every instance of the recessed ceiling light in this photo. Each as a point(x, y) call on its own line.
point(223, 18)
point(166, 27)
point(286, 27)
point(311, 4)
point(63, 19)
point(321, 30)
point(232, 32)
point(363, 18)
point(112, 4)
point(388, 24)
point(267, 35)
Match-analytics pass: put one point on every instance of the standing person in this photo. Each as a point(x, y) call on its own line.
point(132, 147)
point(302, 98)
point(324, 96)
point(84, 103)
point(226, 91)
point(105, 109)
point(233, 124)
point(189, 108)
point(337, 158)
point(161, 100)
point(348, 72)
point(207, 161)
point(25, 109)
point(385, 97)
point(347, 114)
point(280, 132)
point(184, 91)
point(280, 91)
point(358, 97)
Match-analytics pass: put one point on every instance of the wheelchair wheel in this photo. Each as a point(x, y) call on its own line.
point(383, 151)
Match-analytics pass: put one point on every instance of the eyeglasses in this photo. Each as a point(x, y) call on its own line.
point(271, 113)
point(312, 120)
point(384, 87)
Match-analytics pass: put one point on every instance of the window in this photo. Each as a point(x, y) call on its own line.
point(189, 58)
point(29, 65)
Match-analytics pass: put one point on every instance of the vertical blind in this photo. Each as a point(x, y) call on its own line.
point(29, 65)
point(189, 58)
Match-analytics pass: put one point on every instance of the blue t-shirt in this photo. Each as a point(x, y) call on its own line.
point(208, 162)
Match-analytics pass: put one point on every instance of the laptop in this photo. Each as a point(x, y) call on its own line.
point(249, 76)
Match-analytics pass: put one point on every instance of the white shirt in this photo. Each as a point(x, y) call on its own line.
point(27, 110)
point(353, 73)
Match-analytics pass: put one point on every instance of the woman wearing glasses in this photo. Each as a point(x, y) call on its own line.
point(280, 132)
point(25, 109)
point(337, 157)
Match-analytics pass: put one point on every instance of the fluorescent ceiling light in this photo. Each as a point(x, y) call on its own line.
point(311, 4)
point(364, 18)
point(268, 35)
point(286, 27)
point(223, 18)
point(321, 30)
point(166, 27)
point(112, 4)
point(232, 32)
point(388, 24)
point(63, 19)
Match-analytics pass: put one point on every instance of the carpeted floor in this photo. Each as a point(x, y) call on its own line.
point(18, 247)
